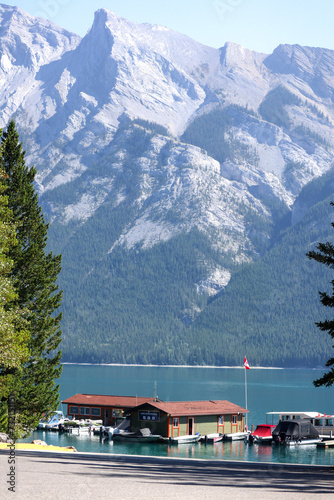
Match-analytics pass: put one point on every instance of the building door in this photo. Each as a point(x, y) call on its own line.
point(106, 417)
point(191, 425)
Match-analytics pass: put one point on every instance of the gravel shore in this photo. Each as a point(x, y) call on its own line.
point(58, 476)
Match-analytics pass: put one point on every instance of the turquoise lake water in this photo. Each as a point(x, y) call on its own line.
point(267, 390)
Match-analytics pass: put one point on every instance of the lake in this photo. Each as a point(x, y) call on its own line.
point(267, 390)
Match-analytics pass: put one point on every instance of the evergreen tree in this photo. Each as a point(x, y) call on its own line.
point(325, 255)
point(35, 274)
point(14, 335)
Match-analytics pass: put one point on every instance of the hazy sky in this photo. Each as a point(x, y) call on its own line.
point(259, 25)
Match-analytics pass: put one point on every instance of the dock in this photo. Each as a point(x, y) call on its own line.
point(326, 444)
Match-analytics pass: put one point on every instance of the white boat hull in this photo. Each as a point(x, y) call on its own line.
point(185, 439)
point(213, 438)
point(235, 436)
point(303, 442)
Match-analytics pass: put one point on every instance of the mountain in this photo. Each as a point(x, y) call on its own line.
point(183, 184)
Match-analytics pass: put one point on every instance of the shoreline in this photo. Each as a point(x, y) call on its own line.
point(319, 368)
point(62, 453)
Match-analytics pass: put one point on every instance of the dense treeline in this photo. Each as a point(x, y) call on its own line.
point(273, 107)
point(211, 132)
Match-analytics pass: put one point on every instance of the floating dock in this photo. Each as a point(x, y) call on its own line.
point(326, 444)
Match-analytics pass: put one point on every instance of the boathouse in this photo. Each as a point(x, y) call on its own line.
point(179, 418)
point(98, 407)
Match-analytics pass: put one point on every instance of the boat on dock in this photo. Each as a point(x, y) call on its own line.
point(322, 422)
point(296, 432)
point(236, 436)
point(141, 436)
point(80, 429)
point(52, 423)
point(212, 438)
point(263, 434)
point(329, 443)
point(188, 438)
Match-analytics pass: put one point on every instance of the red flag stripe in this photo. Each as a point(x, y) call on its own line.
point(246, 364)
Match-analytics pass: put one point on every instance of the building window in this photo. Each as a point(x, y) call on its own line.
point(234, 419)
point(176, 422)
point(84, 410)
point(117, 412)
point(95, 412)
point(74, 410)
point(221, 424)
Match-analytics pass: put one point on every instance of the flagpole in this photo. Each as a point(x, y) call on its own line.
point(246, 396)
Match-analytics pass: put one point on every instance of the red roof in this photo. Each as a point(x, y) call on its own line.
point(186, 408)
point(112, 401)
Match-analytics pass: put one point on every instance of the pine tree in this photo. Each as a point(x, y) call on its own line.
point(325, 255)
point(35, 274)
point(14, 334)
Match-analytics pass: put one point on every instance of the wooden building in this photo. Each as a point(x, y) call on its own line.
point(179, 418)
point(98, 407)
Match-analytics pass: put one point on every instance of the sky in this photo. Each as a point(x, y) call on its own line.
point(259, 25)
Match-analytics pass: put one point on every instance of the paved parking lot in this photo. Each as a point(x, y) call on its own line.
point(93, 476)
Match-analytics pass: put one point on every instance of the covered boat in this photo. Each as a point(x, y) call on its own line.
point(262, 434)
point(292, 432)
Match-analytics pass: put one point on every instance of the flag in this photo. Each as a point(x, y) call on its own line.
point(246, 365)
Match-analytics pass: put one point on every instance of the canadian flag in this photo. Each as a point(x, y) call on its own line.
point(246, 365)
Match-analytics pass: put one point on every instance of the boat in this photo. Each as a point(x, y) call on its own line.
point(262, 434)
point(123, 426)
point(322, 422)
point(296, 432)
point(142, 435)
point(235, 436)
point(57, 417)
point(80, 429)
point(324, 425)
point(187, 438)
point(43, 422)
point(215, 437)
point(279, 416)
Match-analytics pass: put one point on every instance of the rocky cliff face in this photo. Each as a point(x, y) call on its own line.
point(86, 110)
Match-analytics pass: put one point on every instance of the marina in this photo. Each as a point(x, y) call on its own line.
point(267, 388)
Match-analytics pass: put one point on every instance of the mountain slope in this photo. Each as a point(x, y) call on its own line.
point(179, 180)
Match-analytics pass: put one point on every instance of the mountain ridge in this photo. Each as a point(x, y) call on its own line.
point(156, 152)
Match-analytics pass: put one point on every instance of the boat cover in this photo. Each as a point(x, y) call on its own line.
point(294, 430)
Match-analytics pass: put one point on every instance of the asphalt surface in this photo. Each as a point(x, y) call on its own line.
point(72, 476)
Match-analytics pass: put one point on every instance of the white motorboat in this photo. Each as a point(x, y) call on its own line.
point(53, 422)
point(215, 437)
point(188, 438)
point(236, 436)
